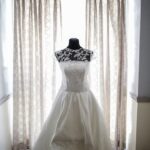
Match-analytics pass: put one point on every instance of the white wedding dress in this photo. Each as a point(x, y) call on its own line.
point(75, 121)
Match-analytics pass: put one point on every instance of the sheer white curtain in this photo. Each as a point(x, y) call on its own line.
point(37, 33)
point(105, 34)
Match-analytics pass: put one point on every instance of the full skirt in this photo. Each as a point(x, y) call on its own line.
point(75, 123)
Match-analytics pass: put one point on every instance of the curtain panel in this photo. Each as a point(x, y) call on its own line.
point(37, 30)
point(105, 34)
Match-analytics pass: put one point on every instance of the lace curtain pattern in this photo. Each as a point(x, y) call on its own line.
point(37, 30)
point(105, 34)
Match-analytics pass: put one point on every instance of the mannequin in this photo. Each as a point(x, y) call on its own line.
point(74, 43)
point(74, 52)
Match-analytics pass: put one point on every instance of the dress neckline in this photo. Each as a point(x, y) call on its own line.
point(74, 49)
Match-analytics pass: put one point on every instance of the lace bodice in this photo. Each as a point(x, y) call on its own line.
point(68, 54)
point(74, 75)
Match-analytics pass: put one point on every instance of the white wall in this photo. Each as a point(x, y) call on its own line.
point(6, 52)
point(5, 132)
point(131, 124)
point(133, 40)
point(143, 127)
point(6, 46)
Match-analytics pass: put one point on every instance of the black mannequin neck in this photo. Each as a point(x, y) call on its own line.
point(74, 43)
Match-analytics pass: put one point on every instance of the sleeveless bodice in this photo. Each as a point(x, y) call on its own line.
point(74, 75)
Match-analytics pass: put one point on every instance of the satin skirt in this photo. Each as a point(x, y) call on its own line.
point(75, 123)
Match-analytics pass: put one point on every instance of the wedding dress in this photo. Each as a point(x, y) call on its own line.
point(76, 120)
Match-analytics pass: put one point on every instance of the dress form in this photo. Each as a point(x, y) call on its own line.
point(74, 43)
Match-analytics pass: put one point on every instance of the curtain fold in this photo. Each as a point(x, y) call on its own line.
point(37, 33)
point(105, 34)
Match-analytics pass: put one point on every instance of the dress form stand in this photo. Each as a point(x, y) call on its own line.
point(74, 43)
